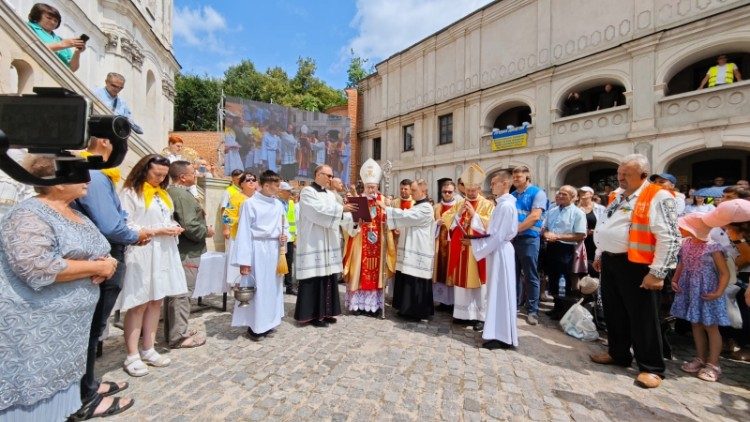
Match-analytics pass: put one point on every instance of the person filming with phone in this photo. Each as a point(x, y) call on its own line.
point(43, 20)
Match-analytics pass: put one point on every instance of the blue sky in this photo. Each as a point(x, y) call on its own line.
point(211, 35)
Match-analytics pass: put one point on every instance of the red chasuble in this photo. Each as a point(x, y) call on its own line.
point(369, 275)
point(460, 255)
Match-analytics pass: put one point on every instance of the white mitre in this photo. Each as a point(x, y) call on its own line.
point(370, 173)
point(473, 176)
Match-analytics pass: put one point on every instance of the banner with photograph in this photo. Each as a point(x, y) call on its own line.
point(292, 142)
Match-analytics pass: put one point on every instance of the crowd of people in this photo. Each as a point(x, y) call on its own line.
point(74, 253)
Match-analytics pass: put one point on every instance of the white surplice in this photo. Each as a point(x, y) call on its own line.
point(414, 253)
point(257, 245)
point(318, 251)
point(500, 321)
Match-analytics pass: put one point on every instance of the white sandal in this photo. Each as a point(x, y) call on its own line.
point(153, 358)
point(135, 367)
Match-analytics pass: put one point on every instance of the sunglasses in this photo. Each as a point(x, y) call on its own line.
point(162, 161)
point(447, 191)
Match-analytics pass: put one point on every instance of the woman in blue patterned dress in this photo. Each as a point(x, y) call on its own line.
point(51, 258)
point(699, 281)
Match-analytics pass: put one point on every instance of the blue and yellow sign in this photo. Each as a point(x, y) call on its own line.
point(509, 139)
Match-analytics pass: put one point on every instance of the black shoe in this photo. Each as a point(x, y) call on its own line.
point(478, 326)
point(253, 335)
point(496, 344)
point(330, 320)
point(319, 323)
point(290, 291)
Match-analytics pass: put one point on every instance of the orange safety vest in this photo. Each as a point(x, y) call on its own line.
point(641, 242)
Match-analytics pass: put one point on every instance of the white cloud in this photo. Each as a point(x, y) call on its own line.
point(198, 27)
point(386, 27)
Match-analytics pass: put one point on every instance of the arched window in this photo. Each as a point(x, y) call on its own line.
point(689, 78)
point(592, 95)
point(514, 116)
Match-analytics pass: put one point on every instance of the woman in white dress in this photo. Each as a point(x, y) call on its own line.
point(153, 270)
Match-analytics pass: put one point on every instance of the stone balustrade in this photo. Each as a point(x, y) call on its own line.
point(600, 124)
point(694, 107)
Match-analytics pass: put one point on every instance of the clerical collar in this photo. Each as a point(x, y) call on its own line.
point(317, 187)
point(421, 201)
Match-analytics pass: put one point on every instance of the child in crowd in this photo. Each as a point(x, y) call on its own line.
point(699, 282)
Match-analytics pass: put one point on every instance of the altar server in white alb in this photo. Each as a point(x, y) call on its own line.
point(412, 292)
point(261, 233)
point(500, 331)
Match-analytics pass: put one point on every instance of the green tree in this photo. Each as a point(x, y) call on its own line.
point(356, 71)
point(244, 81)
point(195, 102)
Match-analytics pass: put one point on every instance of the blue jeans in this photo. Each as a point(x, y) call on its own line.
point(527, 258)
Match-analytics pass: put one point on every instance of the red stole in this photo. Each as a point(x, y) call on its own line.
point(460, 255)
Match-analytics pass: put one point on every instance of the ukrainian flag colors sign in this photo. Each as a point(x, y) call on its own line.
point(509, 139)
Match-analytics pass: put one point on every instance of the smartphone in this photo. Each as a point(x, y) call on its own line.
point(84, 37)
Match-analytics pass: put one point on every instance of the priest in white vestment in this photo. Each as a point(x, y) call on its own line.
point(500, 331)
point(261, 232)
point(318, 258)
point(412, 287)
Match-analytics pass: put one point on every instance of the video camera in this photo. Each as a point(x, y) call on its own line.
point(54, 121)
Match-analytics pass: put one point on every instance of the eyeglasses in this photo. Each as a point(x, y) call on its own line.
point(330, 176)
point(447, 191)
point(117, 87)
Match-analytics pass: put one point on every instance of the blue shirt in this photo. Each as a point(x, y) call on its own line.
point(118, 106)
point(570, 219)
point(102, 205)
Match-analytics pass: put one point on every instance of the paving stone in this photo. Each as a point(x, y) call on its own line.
point(366, 368)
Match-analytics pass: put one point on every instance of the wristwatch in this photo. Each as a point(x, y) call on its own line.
point(738, 241)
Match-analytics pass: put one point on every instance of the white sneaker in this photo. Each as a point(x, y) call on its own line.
point(153, 358)
point(135, 367)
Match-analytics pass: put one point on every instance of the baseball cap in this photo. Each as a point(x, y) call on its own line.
point(732, 211)
point(285, 186)
point(664, 176)
point(694, 224)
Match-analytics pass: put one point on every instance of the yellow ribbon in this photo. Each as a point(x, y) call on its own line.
point(149, 192)
point(113, 173)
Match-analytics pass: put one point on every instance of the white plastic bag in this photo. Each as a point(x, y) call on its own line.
point(733, 310)
point(579, 323)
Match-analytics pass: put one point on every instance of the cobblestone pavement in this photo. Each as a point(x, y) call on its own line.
point(364, 368)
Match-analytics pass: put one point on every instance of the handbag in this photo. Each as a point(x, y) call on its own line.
point(580, 263)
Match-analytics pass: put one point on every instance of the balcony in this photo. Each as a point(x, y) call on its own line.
point(608, 123)
point(691, 108)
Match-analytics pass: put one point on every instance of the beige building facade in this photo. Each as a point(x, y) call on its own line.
point(517, 61)
point(130, 37)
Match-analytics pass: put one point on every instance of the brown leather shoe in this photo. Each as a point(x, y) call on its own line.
point(741, 355)
point(648, 380)
point(603, 359)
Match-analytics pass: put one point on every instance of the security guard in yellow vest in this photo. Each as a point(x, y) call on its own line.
point(285, 195)
point(721, 74)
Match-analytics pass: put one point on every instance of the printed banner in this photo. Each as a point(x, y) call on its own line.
point(292, 142)
point(509, 138)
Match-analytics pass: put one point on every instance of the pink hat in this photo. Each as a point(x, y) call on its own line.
point(732, 211)
point(694, 224)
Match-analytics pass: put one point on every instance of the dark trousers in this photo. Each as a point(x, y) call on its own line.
point(108, 292)
point(559, 263)
point(288, 277)
point(632, 314)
